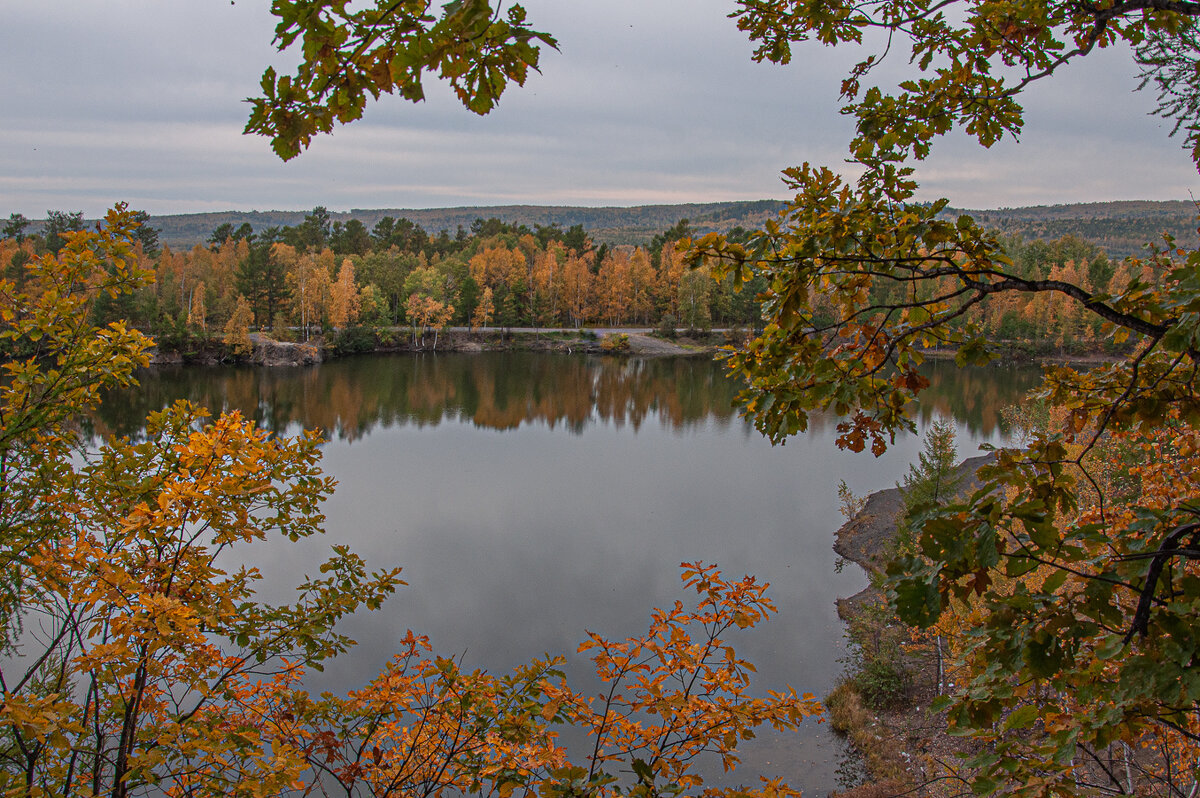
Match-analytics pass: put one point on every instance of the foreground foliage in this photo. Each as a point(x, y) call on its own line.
point(349, 52)
point(137, 658)
point(1081, 591)
point(1082, 612)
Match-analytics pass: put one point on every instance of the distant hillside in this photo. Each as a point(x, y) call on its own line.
point(635, 225)
point(1121, 228)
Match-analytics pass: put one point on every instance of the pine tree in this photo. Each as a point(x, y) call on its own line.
point(931, 480)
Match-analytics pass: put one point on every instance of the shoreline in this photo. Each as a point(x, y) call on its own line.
point(867, 539)
point(890, 741)
point(269, 352)
point(637, 341)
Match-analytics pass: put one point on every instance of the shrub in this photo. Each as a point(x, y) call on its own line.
point(667, 326)
point(281, 331)
point(883, 682)
point(354, 340)
point(615, 342)
point(877, 663)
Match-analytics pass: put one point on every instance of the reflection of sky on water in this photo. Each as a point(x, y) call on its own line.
point(514, 544)
point(515, 540)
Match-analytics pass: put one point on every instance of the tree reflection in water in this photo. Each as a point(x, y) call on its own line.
point(348, 398)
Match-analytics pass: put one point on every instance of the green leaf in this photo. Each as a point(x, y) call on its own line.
point(1110, 646)
point(982, 785)
point(1054, 581)
point(1021, 717)
point(917, 601)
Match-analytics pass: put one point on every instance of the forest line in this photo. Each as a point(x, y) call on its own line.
point(324, 275)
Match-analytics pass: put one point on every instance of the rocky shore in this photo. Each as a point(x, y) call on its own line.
point(270, 352)
point(869, 537)
point(893, 741)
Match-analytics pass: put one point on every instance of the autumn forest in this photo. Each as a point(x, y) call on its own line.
point(322, 276)
point(1053, 595)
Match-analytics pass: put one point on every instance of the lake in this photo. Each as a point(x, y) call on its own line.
point(531, 497)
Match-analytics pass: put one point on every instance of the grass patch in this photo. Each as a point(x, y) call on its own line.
point(882, 753)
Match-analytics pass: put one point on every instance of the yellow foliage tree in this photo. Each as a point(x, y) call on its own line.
point(155, 669)
point(237, 329)
point(484, 311)
point(197, 313)
point(577, 279)
point(310, 284)
point(344, 299)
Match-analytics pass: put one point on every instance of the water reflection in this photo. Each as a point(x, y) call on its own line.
point(347, 399)
point(530, 497)
point(975, 396)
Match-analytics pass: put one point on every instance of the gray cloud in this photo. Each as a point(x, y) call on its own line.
point(648, 101)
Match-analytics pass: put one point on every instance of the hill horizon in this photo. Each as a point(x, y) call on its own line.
point(1121, 227)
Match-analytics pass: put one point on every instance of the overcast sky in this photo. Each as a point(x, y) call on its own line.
point(649, 101)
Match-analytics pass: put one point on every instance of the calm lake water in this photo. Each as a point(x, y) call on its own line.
point(530, 497)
